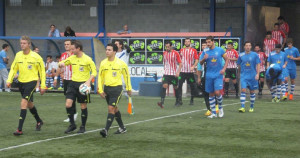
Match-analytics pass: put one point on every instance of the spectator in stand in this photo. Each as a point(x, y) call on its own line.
point(125, 30)
point(53, 32)
point(284, 26)
point(279, 35)
point(3, 70)
point(269, 43)
point(69, 32)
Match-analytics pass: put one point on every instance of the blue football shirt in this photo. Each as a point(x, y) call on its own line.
point(291, 52)
point(213, 62)
point(248, 62)
point(2, 63)
point(279, 58)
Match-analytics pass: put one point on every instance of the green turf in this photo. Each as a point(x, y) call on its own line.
point(271, 131)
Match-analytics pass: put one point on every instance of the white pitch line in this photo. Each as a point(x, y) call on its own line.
point(91, 131)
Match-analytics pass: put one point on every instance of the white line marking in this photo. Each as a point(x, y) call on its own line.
point(91, 131)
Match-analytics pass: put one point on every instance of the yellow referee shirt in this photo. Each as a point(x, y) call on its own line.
point(110, 74)
point(82, 68)
point(30, 66)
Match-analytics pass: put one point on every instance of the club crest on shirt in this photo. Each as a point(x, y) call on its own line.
point(247, 64)
point(278, 62)
point(29, 67)
point(213, 60)
point(81, 68)
point(114, 74)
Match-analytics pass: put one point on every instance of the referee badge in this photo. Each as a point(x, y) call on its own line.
point(81, 68)
point(29, 67)
point(114, 74)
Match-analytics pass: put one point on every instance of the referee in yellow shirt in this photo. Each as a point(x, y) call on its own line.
point(83, 71)
point(29, 65)
point(110, 77)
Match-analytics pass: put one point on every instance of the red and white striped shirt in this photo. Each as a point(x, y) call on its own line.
point(269, 45)
point(188, 57)
point(285, 27)
point(67, 69)
point(278, 35)
point(262, 57)
point(171, 59)
point(232, 54)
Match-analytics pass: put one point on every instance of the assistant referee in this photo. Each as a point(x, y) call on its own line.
point(83, 71)
point(30, 66)
point(110, 77)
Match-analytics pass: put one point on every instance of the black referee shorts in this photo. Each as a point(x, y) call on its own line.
point(230, 73)
point(73, 93)
point(170, 79)
point(113, 94)
point(27, 90)
point(66, 84)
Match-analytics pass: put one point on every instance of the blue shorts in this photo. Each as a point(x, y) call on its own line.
point(252, 84)
point(292, 73)
point(213, 84)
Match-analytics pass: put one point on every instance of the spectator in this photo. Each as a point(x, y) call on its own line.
point(53, 32)
point(69, 32)
point(3, 70)
point(125, 30)
point(284, 26)
point(54, 71)
point(279, 35)
point(49, 71)
point(269, 43)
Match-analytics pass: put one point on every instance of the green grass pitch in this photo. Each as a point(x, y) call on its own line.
point(271, 131)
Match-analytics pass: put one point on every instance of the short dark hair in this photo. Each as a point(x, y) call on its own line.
point(276, 24)
point(280, 18)
point(68, 40)
point(4, 46)
point(52, 25)
point(277, 45)
point(115, 48)
point(49, 56)
point(187, 39)
point(204, 42)
point(230, 43)
point(35, 47)
point(257, 45)
point(289, 40)
point(77, 44)
point(247, 42)
point(168, 42)
point(269, 33)
point(210, 38)
point(272, 72)
point(121, 42)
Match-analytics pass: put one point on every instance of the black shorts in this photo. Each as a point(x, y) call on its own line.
point(66, 83)
point(170, 79)
point(262, 74)
point(73, 93)
point(113, 94)
point(190, 77)
point(230, 73)
point(27, 89)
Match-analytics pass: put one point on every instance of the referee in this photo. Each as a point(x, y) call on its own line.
point(30, 66)
point(83, 71)
point(110, 77)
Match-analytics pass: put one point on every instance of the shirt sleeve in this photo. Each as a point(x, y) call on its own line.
point(42, 72)
point(199, 67)
point(126, 76)
point(239, 61)
point(66, 61)
point(57, 34)
point(297, 52)
point(269, 59)
point(93, 68)
point(178, 57)
point(236, 54)
point(257, 59)
point(196, 57)
point(13, 70)
point(202, 55)
point(282, 34)
point(100, 78)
